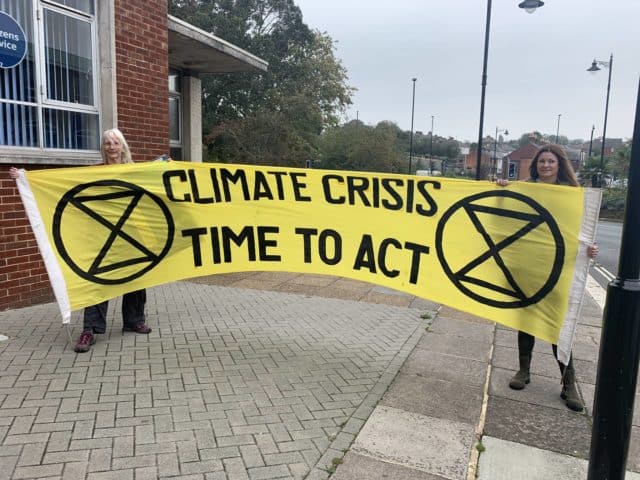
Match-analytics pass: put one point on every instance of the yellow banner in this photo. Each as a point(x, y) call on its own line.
point(506, 254)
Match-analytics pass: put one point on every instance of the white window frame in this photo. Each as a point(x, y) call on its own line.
point(40, 154)
point(177, 95)
point(91, 20)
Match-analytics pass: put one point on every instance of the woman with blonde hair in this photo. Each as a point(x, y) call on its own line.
point(115, 151)
point(115, 148)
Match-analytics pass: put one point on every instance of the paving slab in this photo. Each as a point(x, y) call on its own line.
point(440, 366)
point(457, 346)
point(543, 391)
point(432, 445)
point(588, 393)
point(436, 398)
point(561, 431)
point(505, 460)
point(507, 337)
point(481, 331)
point(360, 467)
point(452, 313)
point(542, 363)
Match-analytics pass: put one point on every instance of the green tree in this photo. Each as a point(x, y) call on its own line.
point(620, 162)
point(305, 87)
point(356, 146)
point(535, 137)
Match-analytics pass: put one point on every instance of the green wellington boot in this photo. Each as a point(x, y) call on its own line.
point(521, 378)
point(569, 391)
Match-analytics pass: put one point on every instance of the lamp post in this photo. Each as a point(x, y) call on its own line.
point(593, 127)
point(595, 67)
point(431, 148)
point(530, 6)
point(620, 341)
point(494, 169)
point(413, 103)
point(558, 128)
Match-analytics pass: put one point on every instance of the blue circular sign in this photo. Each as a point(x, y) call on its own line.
point(13, 42)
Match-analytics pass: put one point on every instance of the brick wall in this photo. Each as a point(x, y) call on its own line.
point(23, 278)
point(142, 88)
point(142, 71)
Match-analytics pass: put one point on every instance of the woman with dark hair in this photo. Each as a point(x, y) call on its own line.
point(552, 166)
point(543, 168)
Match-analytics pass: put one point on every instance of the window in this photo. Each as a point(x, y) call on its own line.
point(513, 170)
point(175, 114)
point(49, 100)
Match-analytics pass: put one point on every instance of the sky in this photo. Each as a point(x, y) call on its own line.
point(536, 65)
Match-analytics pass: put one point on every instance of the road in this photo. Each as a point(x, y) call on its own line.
point(608, 236)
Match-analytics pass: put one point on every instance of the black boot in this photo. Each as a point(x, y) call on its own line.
point(569, 391)
point(521, 378)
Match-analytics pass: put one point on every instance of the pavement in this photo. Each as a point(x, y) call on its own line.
point(287, 376)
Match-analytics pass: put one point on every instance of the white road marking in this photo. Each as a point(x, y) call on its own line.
point(604, 272)
point(598, 293)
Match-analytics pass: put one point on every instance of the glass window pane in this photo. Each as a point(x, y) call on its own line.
point(68, 57)
point(18, 125)
point(18, 83)
point(86, 6)
point(175, 153)
point(174, 119)
point(73, 130)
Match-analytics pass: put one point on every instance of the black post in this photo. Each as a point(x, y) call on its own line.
point(413, 102)
point(431, 142)
point(558, 129)
point(484, 88)
point(604, 127)
point(595, 178)
point(494, 165)
point(620, 342)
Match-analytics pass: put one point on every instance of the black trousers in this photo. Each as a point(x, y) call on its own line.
point(95, 317)
point(526, 343)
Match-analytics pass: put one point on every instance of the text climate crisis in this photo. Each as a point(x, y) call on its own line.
point(223, 185)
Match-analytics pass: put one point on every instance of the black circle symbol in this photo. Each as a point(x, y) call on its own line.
point(107, 208)
point(508, 293)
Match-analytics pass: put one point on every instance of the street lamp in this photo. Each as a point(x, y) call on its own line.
point(558, 128)
point(595, 67)
point(431, 148)
point(494, 169)
point(413, 103)
point(530, 6)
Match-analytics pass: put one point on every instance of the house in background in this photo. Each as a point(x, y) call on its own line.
point(91, 65)
point(518, 162)
point(610, 146)
point(491, 161)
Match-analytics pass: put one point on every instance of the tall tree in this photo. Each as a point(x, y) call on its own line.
point(356, 146)
point(305, 86)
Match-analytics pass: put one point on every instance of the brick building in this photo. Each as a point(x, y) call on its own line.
point(91, 65)
point(518, 162)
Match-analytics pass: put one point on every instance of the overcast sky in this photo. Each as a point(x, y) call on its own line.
point(536, 69)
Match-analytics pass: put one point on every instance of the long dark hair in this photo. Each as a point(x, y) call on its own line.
point(565, 170)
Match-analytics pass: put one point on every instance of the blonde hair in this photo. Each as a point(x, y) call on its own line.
point(125, 156)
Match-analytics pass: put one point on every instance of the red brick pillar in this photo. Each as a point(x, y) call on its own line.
point(142, 69)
